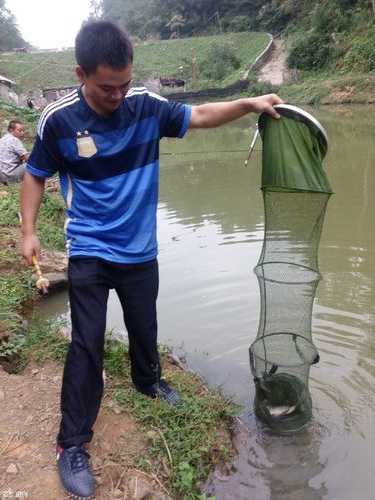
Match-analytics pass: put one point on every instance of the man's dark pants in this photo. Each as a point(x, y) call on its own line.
point(90, 280)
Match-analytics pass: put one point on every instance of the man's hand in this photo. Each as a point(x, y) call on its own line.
point(215, 114)
point(265, 103)
point(30, 246)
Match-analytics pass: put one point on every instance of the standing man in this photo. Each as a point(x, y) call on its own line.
point(13, 154)
point(103, 140)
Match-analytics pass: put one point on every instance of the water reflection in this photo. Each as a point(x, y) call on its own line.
point(214, 188)
point(272, 467)
point(210, 234)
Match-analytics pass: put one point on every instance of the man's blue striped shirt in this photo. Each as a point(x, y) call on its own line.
point(109, 170)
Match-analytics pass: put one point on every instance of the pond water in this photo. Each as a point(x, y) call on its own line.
point(210, 237)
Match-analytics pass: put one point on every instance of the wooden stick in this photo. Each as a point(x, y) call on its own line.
point(42, 282)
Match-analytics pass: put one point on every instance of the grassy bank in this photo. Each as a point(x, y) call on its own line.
point(331, 89)
point(320, 89)
point(184, 58)
point(17, 288)
point(331, 51)
point(183, 444)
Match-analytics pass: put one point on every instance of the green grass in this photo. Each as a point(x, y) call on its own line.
point(151, 60)
point(17, 286)
point(50, 221)
point(15, 290)
point(154, 59)
point(184, 442)
point(36, 339)
point(327, 88)
point(44, 342)
point(39, 70)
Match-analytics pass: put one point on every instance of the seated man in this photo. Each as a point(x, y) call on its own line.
point(13, 154)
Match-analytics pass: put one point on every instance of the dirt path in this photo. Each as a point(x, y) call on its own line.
point(29, 420)
point(275, 71)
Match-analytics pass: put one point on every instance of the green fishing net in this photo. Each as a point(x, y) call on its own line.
point(295, 193)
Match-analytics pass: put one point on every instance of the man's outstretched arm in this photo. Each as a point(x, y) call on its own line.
point(217, 113)
point(31, 197)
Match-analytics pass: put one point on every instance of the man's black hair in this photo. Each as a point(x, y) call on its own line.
point(102, 43)
point(13, 123)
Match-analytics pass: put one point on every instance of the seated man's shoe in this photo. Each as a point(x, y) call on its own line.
point(160, 390)
point(75, 472)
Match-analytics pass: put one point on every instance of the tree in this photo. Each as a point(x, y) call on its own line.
point(96, 9)
point(175, 24)
point(10, 37)
point(184, 18)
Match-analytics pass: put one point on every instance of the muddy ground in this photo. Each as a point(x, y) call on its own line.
point(29, 421)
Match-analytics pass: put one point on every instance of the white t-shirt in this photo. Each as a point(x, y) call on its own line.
point(11, 151)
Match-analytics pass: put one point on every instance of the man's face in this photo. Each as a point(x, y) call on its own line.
point(18, 131)
point(106, 88)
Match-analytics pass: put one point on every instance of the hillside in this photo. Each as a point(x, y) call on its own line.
point(202, 61)
point(334, 34)
point(330, 49)
point(325, 39)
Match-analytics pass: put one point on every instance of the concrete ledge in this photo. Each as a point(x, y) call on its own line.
point(264, 56)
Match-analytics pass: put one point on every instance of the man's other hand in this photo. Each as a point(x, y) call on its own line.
point(265, 104)
point(30, 247)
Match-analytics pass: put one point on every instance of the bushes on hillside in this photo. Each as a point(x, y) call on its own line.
point(330, 17)
point(361, 54)
point(275, 16)
point(221, 60)
point(310, 52)
point(237, 24)
point(341, 35)
point(329, 21)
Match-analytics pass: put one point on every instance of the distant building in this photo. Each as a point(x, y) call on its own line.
point(21, 49)
point(6, 90)
point(53, 93)
point(6, 82)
